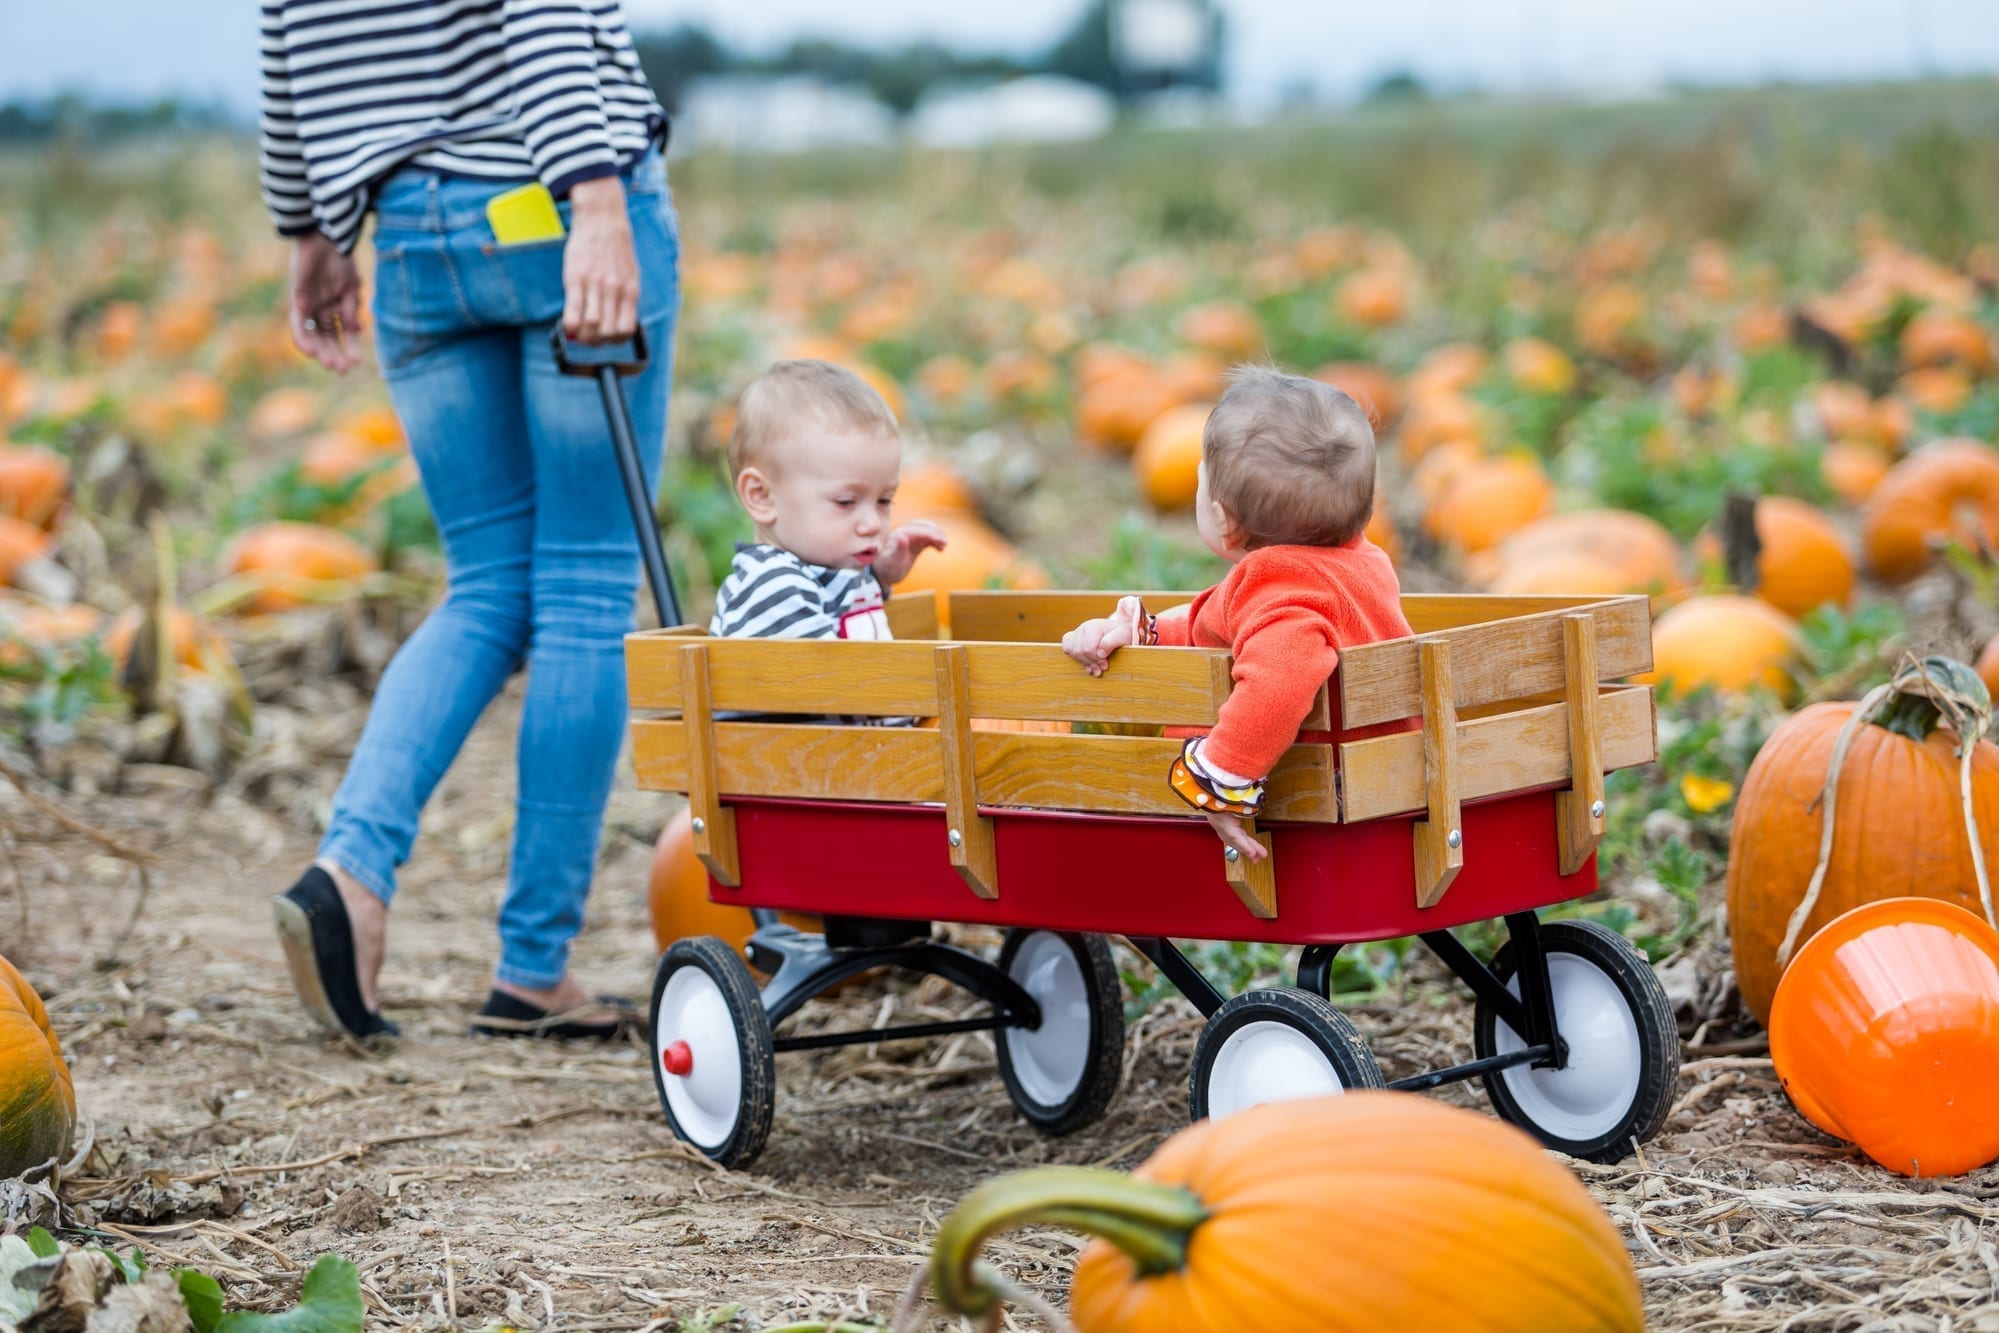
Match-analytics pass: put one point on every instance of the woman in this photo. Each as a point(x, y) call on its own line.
point(421, 113)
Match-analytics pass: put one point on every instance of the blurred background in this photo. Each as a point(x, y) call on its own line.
point(1643, 297)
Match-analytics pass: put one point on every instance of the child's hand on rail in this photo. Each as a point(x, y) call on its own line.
point(899, 552)
point(1093, 641)
point(1232, 831)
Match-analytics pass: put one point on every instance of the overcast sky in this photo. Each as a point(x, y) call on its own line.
point(146, 48)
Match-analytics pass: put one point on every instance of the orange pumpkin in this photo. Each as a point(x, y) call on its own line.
point(21, 543)
point(1938, 337)
point(282, 412)
point(1898, 821)
point(37, 1100)
point(1944, 492)
point(196, 647)
point(1449, 368)
point(974, 557)
point(1760, 327)
point(1853, 470)
point(1168, 457)
point(27, 625)
point(1018, 374)
point(1369, 385)
point(295, 563)
point(1935, 389)
point(33, 482)
point(1846, 412)
point(1438, 419)
point(1489, 499)
point(1468, 1223)
point(1381, 529)
point(1229, 329)
point(932, 488)
point(1537, 366)
point(677, 895)
point(1725, 640)
point(334, 459)
point(1987, 666)
point(946, 379)
point(1374, 298)
point(1803, 563)
point(1115, 409)
point(1592, 550)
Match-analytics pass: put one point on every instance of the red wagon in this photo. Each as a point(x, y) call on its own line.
point(1007, 813)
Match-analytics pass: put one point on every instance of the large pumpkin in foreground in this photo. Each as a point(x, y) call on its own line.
point(1368, 1210)
point(1898, 822)
point(37, 1102)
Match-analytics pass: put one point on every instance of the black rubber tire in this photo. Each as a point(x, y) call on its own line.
point(1658, 1038)
point(1103, 1065)
point(1345, 1049)
point(759, 1065)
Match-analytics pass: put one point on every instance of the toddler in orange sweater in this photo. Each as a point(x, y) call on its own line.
point(1286, 491)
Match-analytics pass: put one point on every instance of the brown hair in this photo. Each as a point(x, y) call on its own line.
point(1291, 459)
point(792, 393)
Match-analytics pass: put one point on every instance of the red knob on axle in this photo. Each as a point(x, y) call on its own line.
point(677, 1059)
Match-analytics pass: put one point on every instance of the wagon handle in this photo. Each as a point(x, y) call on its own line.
point(625, 444)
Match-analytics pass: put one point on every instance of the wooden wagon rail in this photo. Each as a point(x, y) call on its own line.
point(1512, 694)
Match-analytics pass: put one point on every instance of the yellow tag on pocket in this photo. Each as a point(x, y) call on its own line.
point(524, 216)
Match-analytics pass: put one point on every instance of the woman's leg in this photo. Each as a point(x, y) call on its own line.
point(585, 577)
point(462, 406)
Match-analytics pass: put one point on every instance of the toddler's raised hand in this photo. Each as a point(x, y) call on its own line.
point(899, 552)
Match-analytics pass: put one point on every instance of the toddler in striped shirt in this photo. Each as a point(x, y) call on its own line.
point(816, 455)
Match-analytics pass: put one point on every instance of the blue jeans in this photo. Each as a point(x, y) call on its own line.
point(543, 565)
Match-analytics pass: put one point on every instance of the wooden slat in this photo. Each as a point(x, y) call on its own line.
point(1104, 774)
point(1428, 612)
point(790, 676)
point(1579, 810)
point(1509, 752)
point(912, 615)
point(1440, 852)
point(1255, 882)
point(999, 616)
point(714, 823)
point(1174, 686)
point(1499, 660)
point(969, 834)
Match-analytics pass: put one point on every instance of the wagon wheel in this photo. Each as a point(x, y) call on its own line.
point(1273, 1046)
point(1623, 1046)
point(1063, 1073)
point(712, 1059)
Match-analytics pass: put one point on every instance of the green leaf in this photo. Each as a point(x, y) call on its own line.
point(330, 1302)
point(16, 1256)
point(202, 1295)
point(43, 1244)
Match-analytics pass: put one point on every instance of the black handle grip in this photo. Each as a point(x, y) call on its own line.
point(587, 367)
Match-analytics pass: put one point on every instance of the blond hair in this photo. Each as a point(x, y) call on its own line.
point(795, 393)
point(1291, 459)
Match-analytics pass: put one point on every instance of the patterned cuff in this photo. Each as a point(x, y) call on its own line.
point(1145, 628)
point(1201, 789)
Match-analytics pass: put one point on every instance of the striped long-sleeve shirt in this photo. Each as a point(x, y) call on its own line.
point(502, 89)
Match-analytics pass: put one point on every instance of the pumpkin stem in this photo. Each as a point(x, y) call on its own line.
point(1149, 1222)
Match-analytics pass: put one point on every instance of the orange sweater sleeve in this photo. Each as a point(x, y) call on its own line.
point(1283, 654)
point(1175, 626)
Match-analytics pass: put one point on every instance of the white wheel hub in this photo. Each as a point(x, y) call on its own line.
point(1586, 1099)
point(707, 1099)
point(1267, 1061)
point(1050, 1061)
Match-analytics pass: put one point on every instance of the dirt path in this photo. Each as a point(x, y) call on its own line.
point(477, 1182)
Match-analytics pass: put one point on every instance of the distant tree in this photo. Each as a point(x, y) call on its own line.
point(1088, 52)
point(1400, 86)
point(675, 58)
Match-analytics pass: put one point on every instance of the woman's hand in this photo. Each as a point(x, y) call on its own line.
point(899, 552)
point(325, 304)
point(600, 269)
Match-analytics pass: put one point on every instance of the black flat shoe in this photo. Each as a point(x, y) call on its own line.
point(319, 949)
point(507, 1015)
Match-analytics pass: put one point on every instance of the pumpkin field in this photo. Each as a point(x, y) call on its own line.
point(1737, 351)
